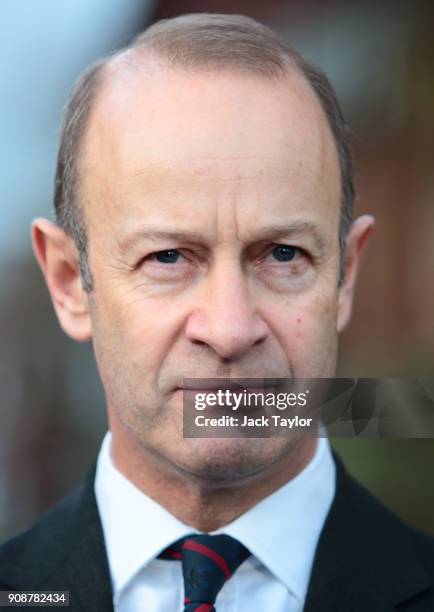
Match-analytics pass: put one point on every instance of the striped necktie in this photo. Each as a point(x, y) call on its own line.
point(207, 562)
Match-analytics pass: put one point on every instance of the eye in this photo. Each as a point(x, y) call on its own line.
point(167, 264)
point(284, 267)
point(170, 256)
point(284, 252)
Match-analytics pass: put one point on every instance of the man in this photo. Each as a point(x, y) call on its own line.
point(204, 197)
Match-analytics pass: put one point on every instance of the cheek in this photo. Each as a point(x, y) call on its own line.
point(307, 329)
point(136, 334)
point(307, 332)
point(306, 318)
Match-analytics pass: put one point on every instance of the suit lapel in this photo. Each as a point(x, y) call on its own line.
point(85, 570)
point(67, 552)
point(365, 558)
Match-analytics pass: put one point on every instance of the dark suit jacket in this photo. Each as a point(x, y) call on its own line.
point(367, 560)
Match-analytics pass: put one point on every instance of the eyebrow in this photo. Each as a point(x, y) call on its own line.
point(270, 232)
point(154, 233)
point(297, 228)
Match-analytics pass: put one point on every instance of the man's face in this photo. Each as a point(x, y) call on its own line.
point(212, 206)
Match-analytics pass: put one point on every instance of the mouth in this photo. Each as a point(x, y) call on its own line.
point(211, 385)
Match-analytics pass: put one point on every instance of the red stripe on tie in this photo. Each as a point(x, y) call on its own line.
point(174, 553)
point(208, 552)
point(204, 608)
point(186, 601)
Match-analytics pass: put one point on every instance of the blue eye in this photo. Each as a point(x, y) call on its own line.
point(170, 256)
point(284, 253)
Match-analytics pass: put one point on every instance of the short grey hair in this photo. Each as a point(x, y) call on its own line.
point(198, 41)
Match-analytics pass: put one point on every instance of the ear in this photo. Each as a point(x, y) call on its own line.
point(357, 240)
point(58, 258)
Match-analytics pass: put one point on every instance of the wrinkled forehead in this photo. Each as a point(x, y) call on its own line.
point(156, 129)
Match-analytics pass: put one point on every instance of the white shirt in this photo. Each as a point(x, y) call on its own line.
point(281, 531)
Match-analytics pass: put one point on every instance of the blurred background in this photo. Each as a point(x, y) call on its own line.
point(380, 58)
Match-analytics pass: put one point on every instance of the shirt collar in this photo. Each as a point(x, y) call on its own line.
point(281, 531)
point(136, 528)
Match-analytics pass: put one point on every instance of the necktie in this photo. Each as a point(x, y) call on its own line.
point(207, 562)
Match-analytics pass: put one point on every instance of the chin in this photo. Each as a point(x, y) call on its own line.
point(229, 459)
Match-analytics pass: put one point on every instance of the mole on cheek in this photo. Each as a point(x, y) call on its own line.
point(298, 332)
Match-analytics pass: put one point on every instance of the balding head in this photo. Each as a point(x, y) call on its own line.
point(198, 42)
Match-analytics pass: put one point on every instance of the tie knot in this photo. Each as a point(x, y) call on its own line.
point(207, 562)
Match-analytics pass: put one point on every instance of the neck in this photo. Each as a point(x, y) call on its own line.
point(205, 505)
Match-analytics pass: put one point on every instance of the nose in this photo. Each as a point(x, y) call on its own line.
point(224, 317)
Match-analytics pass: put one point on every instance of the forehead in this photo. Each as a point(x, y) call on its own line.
point(158, 131)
